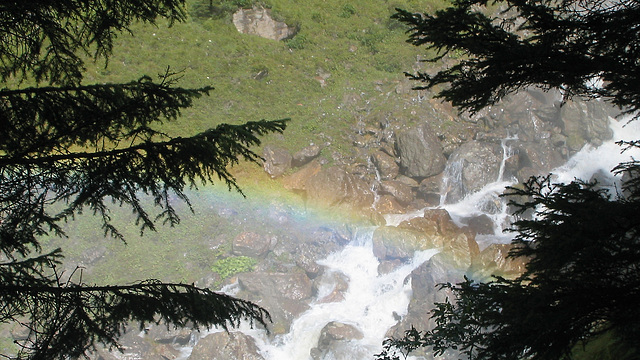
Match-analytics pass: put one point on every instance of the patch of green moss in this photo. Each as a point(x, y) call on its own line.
point(233, 265)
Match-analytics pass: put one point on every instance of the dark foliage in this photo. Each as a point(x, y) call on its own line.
point(566, 44)
point(68, 147)
point(582, 280)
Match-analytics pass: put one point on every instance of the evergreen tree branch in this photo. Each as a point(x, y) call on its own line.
point(563, 45)
point(41, 47)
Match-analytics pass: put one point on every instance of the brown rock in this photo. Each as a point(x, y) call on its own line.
point(298, 180)
point(336, 187)
point(226, 346)
point(305, 155)
point(494, 260)
point(386, 165)
point(399, 190)
point(388, 204)
point(250, 244)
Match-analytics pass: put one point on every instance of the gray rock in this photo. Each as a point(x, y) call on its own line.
point(334, 342)
point(250, 244)
point(420, 152)
point(258, 21)
point(472, 166)
point(305, 155)
point(337, 331)
point(276, 161)
point(226, 346)
point(584, 122)
point(399, 190)
point(284, 295)
point(424, 281)
point(481, 224)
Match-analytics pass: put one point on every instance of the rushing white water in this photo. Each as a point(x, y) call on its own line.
point(371, 304)
point(590, 161)
point(486, 201)
point(602, 159)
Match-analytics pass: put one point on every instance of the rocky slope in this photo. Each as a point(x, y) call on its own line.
point(397, 164)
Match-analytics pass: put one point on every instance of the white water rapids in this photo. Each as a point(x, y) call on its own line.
point(373, 301)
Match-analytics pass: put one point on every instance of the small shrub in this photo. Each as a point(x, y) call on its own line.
point(205, 9)
point(318, 17)
point(347, 11)
point(298, 42)
point(233, 265)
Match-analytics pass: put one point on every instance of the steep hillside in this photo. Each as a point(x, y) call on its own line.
point(345, 63)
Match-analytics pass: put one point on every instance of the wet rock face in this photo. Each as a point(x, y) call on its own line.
point(284, 295)
point(334, 340)
point(334, 186)
point(250, 244)
point(258, 21)
point(226, 346)
point(420, 152)
point(424, 281)
point(472, 166)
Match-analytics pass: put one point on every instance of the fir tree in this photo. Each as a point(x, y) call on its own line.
point(582, 278)
point(567, 44)
point(67, 147)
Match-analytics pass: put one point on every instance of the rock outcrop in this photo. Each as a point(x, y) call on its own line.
point(420, 152)
point(276, 160)
point(226, 346)
point(258, 21)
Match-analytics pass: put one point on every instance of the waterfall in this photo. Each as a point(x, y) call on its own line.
point(487, 200)
point(599, 161)
point(371, 304)
point(452, 175)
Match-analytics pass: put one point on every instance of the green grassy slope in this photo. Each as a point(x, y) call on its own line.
point(355, 44)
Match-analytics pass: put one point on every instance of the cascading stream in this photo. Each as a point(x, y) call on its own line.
point(371, 304)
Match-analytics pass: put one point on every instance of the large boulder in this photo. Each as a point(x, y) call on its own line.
point(399, 190)
point(435, 229)
point(537, 158)
point(284, 295)
point(250, 244)
point(258, 21)
point(472, 166)
point(334, 186)
point(494, 260)
point(226, 346)
point(420, 152)
point(585, 122)
point(386, 165)
point(334, 342)
point(298, 180)
point(424, 281)
point(276, 160)
point(391, 243)
point(305, 155)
